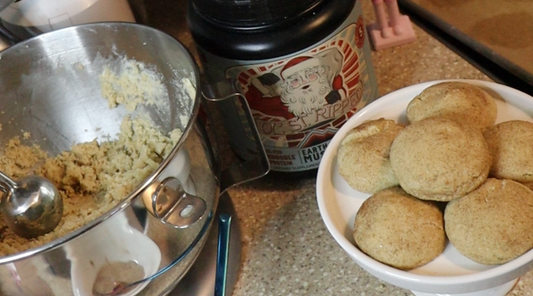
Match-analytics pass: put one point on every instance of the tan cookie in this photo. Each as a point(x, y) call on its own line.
point(511, 145)
point(439, 159)
point(399, 230)
point(492, 225)
point(363, 156)
point(464, 102)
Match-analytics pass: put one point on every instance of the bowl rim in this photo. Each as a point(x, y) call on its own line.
point(497, 275)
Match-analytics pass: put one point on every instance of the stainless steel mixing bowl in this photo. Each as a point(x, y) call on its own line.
point(50, 87)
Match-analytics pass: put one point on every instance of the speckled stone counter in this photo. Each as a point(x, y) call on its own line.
point(286, 248)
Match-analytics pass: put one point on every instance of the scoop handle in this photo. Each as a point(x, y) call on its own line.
point(6, 183)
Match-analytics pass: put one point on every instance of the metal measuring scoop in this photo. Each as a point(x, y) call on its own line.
point(31, 207)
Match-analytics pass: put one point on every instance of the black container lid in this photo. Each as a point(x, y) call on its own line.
point(252, 14)
point(263, 29)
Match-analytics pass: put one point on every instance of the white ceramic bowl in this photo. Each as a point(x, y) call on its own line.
point(111, 242)
point(449, 274)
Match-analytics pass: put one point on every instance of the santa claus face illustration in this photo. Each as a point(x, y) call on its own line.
point(302, 86)
point(304, 91)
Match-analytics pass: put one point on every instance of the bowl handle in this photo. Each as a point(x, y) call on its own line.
point(242, 167)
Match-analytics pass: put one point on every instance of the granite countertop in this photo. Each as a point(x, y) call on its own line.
point(286, 248)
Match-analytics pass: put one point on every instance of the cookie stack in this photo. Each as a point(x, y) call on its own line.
point(452, 173)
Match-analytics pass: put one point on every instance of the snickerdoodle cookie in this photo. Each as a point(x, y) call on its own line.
point(511, 145)
point(363, 155)
point(464, 102)
point(439, 159)
point(398, 229)
point(492, 224)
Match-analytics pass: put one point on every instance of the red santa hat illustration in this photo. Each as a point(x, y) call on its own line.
point(298, 64)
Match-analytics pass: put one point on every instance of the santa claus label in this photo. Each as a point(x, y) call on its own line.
point(299, 102)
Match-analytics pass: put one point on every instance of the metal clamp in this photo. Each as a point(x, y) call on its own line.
point(173, 206)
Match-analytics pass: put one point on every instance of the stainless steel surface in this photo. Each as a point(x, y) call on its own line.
point(52, 81)
point(5, 3)
point(50, 85)
point(31, 206)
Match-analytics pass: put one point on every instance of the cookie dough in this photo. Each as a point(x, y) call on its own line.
point(92, 177)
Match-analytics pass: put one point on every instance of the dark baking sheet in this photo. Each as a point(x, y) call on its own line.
point(475, 45)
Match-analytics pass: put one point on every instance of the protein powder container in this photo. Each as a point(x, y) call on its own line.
point(304, 68)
